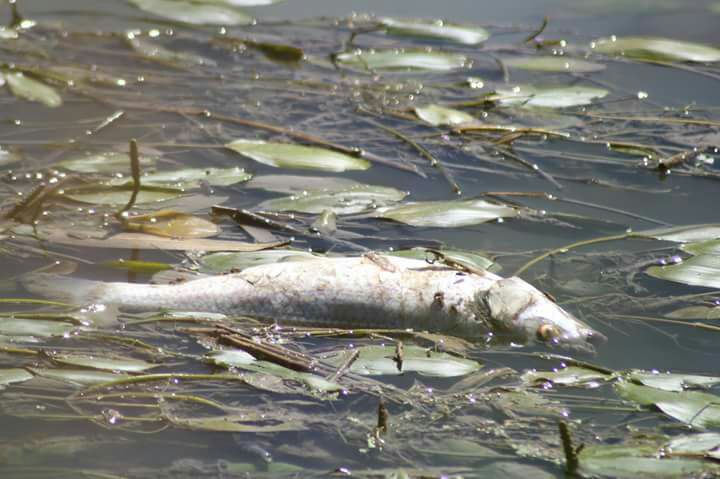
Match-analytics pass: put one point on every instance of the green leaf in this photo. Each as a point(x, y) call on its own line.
point(377, 360)
point(35, 327)
point(189, 178)
point(223, 261)
point(446, 214)
point(240, 3)
point(29, 89)
point(110, 162)
point(120, 195)
point(436, 29)
point(298, 184)
point(703, 270)
point(672, 382)
point(149, 50)
point(285, 155)
point(197, 13)
point(684, 234)
point(342, 201)
point(103, 362)
point(172, 224)
point(568, 376)
point(438, 115)
point(13, 375)
point(633, 461)
point(463, 257)
point(77, 376)
point(700, 444)
point(401, 60)
point(546, 96)
point(553, 64)
point(138, 266)
point(236, 423)
point(698, 409)
point(695, 312)
point(231, 358)
point(657, 49)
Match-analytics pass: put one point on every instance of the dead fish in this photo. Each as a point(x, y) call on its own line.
point(370, 291)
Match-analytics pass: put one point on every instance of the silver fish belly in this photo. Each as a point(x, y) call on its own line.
point(371, 291)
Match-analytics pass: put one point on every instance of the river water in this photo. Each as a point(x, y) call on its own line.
point(48, 432)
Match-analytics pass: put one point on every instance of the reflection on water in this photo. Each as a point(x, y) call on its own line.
point(588, 169)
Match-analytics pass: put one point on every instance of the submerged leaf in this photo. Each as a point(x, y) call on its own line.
point(192, 177)
point(35, 327)
point(378, 360)
point(436, 29)
point(78, 376)
point(237, 423)
point(120, 195)
point(197, 13)
point(657, 49)
point(24, 87)
point(446, 214)
point(172, 224)
point(546, 96)
point(13, 375)
point(285, 155)
point(101, 361)
point(223, 261)
point(156, 53)
point(402, 60)
point(438, 115)
point(111, 162)
point(342, 201)
point(553, 64)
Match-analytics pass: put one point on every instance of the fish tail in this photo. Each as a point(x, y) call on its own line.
point(67, 289)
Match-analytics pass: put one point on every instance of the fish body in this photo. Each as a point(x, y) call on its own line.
point(371, 291)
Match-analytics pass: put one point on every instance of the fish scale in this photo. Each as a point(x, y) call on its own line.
point(370, 291)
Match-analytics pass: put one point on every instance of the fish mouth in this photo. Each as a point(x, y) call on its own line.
point(591, 339)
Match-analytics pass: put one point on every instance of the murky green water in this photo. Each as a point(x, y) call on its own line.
point(582, 172)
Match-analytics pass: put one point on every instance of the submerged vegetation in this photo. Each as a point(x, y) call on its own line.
point(178, 144)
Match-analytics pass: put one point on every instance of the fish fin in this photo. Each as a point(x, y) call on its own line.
point(71, 290)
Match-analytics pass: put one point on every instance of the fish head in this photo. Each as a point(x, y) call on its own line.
point(517, 309)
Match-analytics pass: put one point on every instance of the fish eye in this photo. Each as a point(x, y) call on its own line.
point(547, 332)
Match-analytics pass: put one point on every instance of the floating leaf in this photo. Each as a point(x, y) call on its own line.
point(684, 234)
point(77, 376)
point(156, 53)
point(403, 60)
point(138, 266)
point(237, 423)
point(700, 444)
point(101, 361)
point(196, 13)
point(553, 64)
point(223, 262)
point(702, 270)
point(632, 461)
point(672, 382)
point(120, 195)
point(436, 29)
point(172, 224)
point(469, 258)
point(568, 376)
point(343, 201)
point(13, 375)
point(698, 409)
point(35, 327)
point(24, 87)
point(298, 184)
point(546, 96)
point(111, 162)
point(377, 360)
point(446, 214)
point(438, 115)
point(192, 177)
point(657, 49)
point(231, 358)
point(285, 155)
